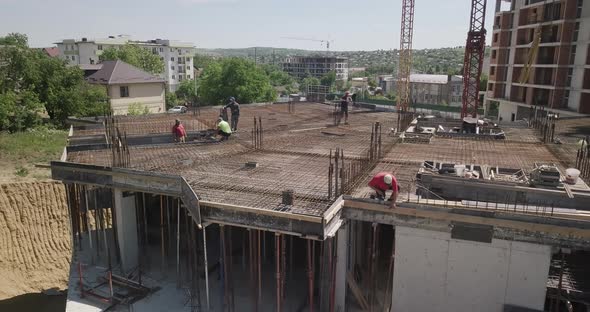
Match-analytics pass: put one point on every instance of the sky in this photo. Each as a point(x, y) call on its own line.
point(350, 25)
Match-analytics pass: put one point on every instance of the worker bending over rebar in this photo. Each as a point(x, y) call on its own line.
point(223, 129)
point(383, 182)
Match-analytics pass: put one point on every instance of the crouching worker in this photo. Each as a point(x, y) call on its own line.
point(223, 129)
point(381, 183)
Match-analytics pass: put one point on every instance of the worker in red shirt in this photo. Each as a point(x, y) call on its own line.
point(381, 183)
point(178, 132)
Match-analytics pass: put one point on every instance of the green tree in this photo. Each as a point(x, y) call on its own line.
point(15, 39)
point(186, 91)
point(203, 61)
point(235, 77)
point(483, 82)
point(136, 56)
point(309, 81)
point(328, 79)
point(171, 99)
point(31, 81)
point(372, 83)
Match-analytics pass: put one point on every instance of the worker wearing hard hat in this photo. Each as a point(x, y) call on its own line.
point(383, 182)
point(223, 129)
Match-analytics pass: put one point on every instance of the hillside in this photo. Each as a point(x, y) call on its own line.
point(437, 61)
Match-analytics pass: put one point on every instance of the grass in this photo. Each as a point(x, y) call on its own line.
point(33, 146)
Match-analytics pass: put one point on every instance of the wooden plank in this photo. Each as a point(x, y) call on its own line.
point(356, 291)
point(272, 213)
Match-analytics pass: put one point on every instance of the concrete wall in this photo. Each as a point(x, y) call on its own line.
point(146, 94)
point(126, 229)
point(433, 272)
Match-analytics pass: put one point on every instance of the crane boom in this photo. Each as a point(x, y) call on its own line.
point(310, 39)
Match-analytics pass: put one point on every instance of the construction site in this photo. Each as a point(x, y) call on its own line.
point(279, 217)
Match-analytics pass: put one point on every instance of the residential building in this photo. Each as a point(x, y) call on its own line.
point(51, 52)
point(177, 56)
point(128, 85)
point(316, 66)
point(429, 89)
point(559, 71)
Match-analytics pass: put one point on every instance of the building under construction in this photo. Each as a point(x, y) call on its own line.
point(278, 218)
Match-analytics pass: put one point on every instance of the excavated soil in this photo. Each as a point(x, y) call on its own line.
point(35, 244)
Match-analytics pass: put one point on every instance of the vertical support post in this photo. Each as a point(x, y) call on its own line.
point(278, 269)
point(206, 267)
point(163, 251)
point(310, 273)
point(259, 269)
point(178, 245)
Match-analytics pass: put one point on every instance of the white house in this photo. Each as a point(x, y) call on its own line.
point(128, 85)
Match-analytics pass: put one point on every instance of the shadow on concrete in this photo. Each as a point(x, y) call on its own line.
point(38, 302)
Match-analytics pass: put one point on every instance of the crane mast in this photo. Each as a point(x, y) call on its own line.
point(473, 62)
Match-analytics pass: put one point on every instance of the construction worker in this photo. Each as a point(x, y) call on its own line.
point(223, 129)
point(345, 102)
point(381, 183)
point(178, 132)
point(235, 113)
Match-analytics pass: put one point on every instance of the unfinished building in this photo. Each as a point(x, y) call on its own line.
point(278, 218)
point(539, 56)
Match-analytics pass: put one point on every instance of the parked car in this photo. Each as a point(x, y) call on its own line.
point(178, 109)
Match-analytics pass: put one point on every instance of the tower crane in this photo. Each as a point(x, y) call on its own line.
point(405, 55)
point(473, 61)
point(316, 40)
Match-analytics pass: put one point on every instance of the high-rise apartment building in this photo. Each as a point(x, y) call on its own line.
point(553, 73)
point(316, 66)
point(177, 56)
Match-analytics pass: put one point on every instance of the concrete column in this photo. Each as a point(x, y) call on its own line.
point(126, 229)
point(341, 268)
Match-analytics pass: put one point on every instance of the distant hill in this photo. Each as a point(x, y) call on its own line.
point(436, 61)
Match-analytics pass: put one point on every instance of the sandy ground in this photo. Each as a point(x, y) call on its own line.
point(35, 245)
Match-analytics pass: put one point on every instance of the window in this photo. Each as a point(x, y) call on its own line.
point(100, 47)
point(576, 31)
point(572, 54)
point(91, 61)
point(172, 67)
point(124, 91)
point(179, 77)
point(172, 59)
point(173, 77)
point(494, 54)
point(495, 37)
point(492, 70)
point(73, 57)
point(566, 98)
point(170, 49)
point(579, 10)
point(161, 49)
point(568, 81)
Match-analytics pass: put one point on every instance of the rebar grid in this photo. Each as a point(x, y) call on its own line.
point(295, 155)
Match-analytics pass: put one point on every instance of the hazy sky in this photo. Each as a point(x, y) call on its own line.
point(352, 25)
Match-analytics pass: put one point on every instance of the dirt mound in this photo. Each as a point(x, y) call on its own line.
point(35, 244)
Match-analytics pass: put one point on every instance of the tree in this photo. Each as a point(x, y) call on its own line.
point(171, 99)
point(31, 81)
point(309, 81)
point(186, 91)
point(203, 61)
point(483, 82)
point(15, 39)
point(235, 77)
point(136, 56)
point(328, 79)
point(372, 83)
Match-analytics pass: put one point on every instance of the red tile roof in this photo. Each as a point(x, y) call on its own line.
point(53, 52)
